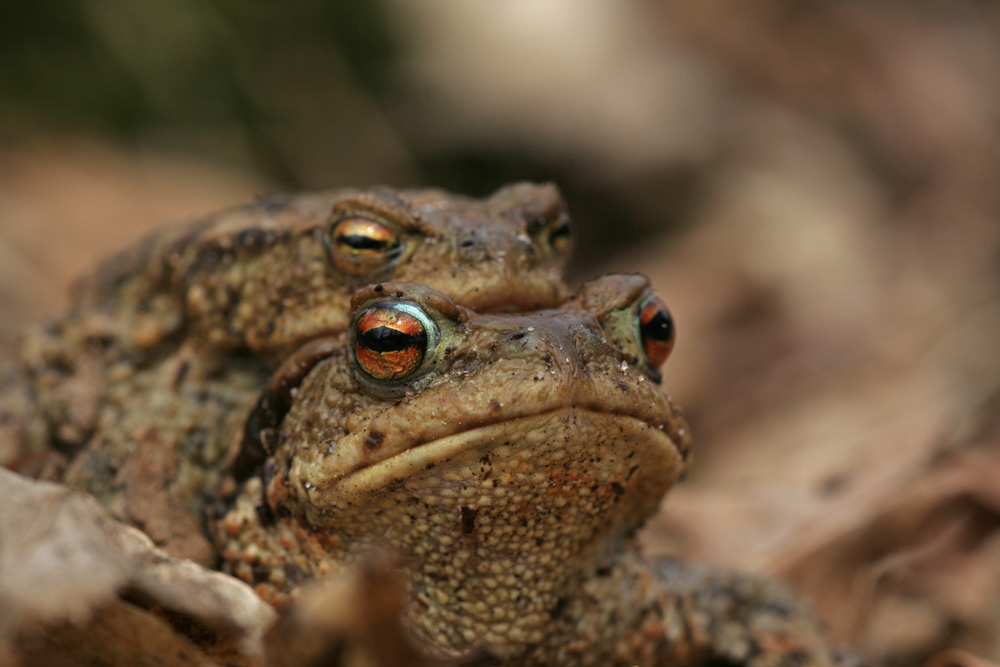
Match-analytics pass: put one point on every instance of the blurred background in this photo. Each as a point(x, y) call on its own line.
point(812, 186)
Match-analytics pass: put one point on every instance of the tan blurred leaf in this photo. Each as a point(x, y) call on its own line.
point(73, 582)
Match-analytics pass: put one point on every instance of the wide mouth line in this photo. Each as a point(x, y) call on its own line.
point(413, 459)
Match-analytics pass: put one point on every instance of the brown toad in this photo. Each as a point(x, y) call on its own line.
point(508, 461)
point(147, 381)
point(269, 275)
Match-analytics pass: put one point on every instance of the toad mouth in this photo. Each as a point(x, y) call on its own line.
point(564, 436)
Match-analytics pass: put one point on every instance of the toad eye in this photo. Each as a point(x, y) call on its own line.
point(392, 340)
point(656, 331)
point(561, 236)
point(554, 234)
point(361, 245)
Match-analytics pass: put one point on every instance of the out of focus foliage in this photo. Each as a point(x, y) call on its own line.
point(308, 94)
point(215, 77)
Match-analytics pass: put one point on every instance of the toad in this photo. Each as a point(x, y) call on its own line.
point(272, 274)
point(507, 460)
point(142, 388)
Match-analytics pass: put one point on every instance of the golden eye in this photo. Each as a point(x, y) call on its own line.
point(561, 236)
point(555, 234)
point(392, 340)
point(656, 331)
point(361, 245)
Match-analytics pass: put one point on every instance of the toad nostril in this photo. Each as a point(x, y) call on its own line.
point(517, 335)
point(474, 248)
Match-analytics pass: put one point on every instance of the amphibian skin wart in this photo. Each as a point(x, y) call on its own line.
point(140, 393)
point(514, 519)
point(286, 388)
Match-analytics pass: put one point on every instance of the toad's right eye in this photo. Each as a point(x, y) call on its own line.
point(392, 340)
point(361, 245)
point(656, 331)
point(554, 233)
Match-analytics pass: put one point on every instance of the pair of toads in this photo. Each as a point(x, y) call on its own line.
point(287, 387)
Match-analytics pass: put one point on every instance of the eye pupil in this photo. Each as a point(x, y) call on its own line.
point(660, 327)
point(383, 339)
point(656, 327)
point(560, 232)
point(361, 242)
point(551, 232)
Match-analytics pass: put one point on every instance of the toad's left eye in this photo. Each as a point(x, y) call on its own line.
point(656, 331)
point(391, 341)
point(359, 245)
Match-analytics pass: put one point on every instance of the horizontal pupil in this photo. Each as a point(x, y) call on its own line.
point(560, 231)
point(360, 242)
point(386, 339)
point(660, 327)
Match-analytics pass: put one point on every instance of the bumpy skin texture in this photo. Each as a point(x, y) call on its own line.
point(509, 473)
point(266, 276)
point(142, 390)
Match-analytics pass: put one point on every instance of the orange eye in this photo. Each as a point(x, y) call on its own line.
point(656, 330)
point(359, 244)
point(392, 340)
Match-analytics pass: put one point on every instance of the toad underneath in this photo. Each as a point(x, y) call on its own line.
point(508, 461)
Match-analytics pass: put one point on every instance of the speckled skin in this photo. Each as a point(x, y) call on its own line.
point(261, 276)
point(140, 393)
point(509, 478)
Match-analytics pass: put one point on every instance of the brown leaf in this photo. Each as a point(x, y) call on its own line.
point(74, 582)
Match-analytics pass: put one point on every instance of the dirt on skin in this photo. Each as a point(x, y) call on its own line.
point(836, 296)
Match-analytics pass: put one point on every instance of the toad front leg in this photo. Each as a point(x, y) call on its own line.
point(670, 613)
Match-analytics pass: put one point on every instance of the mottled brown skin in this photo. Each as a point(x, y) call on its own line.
point(140, 393)
point(509, 474)
point(266, 277)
